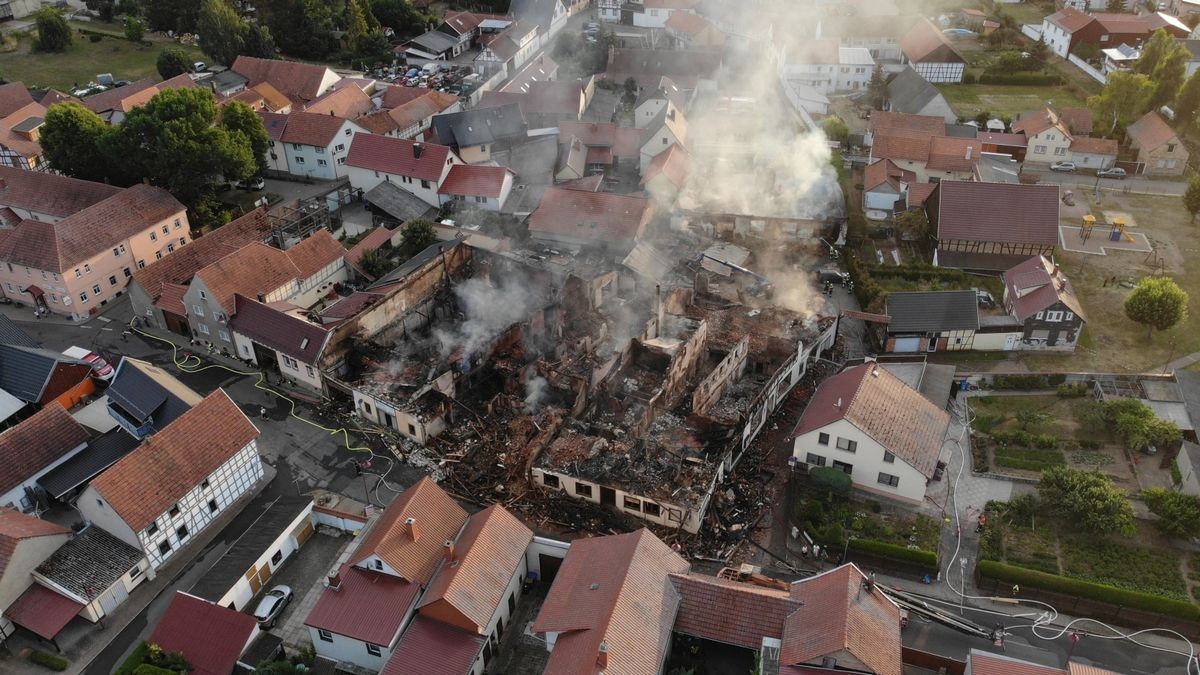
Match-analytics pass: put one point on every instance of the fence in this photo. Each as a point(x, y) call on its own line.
point(1088, 69)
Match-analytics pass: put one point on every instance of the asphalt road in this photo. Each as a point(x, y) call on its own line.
point(1134, 184)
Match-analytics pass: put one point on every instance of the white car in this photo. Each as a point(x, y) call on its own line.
point(101, 369)
point(1065, 167)
point(272, 605)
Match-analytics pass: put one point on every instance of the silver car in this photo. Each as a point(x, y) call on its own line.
point(272, 605)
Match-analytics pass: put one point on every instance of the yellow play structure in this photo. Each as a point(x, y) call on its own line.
point(1118, 229)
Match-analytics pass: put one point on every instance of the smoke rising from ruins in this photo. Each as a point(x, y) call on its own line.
point(487, 309)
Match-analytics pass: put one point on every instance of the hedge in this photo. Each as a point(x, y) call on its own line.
point(151, 669)
point(1089, 590)
point(894, 552)
point(137, 658)
point(48, 660)
point(1025, 464)
point(1022, 79)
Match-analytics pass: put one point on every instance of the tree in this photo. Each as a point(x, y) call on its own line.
point(1137, 425)
point(913, 224)
point(376, 263)
point(416, 236)
point(1154, 51)
point(173, 61)
point(400, 16)
point(1178, 514)
point(1115, 6)
point(631, 91)
point(1087, 51)
point(1125, 98)
point(173, 15)
point(1028, 418)
point(1088, 499)
point(835, 129)
point(1191, 198)
point(356, 26)
point(300, 27)
point(1039, 52)
point(69, 139)
point(834, 482)
point(54, 35)
point(877, 93)
point(222, 31)
point(259, 42)
point(246, 126)
point(1157, 302)
point(134, 29)
point(1168, 76)
point(1187, 104)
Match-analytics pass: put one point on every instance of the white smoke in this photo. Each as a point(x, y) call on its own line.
point(537, 389)
point(488, 309)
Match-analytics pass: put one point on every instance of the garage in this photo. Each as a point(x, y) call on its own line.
point(907, 344)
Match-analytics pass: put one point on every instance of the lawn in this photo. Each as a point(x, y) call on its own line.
point(968, 100)
point(833, 521)
point(84, 60)
point(1028, 12)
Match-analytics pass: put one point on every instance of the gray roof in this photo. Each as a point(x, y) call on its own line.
point(101, 452)
point(961, 131)
point(1189, 387)
point(90, 562)
point(228, 79)
point(932, 311)
point(540, 12)
point(908, 92)
point(397, 202)
point(253, 543)
point(141, 398)
point(435, 41)
point(533, 162)
point(415, 263)
point(480, 125)
point(24, 371)
point(12, 334)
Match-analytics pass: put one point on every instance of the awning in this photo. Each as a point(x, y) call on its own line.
point(43, 611)
point(35, 291)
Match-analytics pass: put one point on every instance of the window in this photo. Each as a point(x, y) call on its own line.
point(583, 489)
point(197, 309)
point(182, 532)
point(1069, 316)
point(166, 230)
point(158, 255)
point(83, 297)
point(152, 530)
point(1060, 151)
point(178, 224)
point(378, 564)
point(373, 650)
point(1039, 315)
point(815, 460)
point(290, 362)
point(212, 506)
point(512, 603)
point(87, 269)
point(204, 484)
point(170, 248)
point(112, 280)
point(202, 328)
point(224, 334)
point(888, 479)
point(153, 236)
point(425, 184)
point(116, 251)
point(888, 457)
point(1039, 149)
point(846, 444)
point(651, 509)
point(135, 572)
point(78, 272)
point(664, 140)
point(321, 162)
point(347, 132)
point(341, 160)
point(340, 147)
point(308, 370)
point(550, 480)
point(299, 160)
point(1054, 316)
point(274, 156)
point(320, 151)
point(1170, 147)
point(843, 467)
point(174, 511)
point(183, 241)
point(277, 557)
point(633, 504)
point(96, 289)
point(164, 547)
point(324, 635)
point(295, 146)
point(823, 438)
point(128, 273)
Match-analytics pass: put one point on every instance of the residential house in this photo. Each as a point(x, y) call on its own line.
point(345, 102)
point(26, 542)
point(546, 103)
point(918, 143)
point(156, 292)
point(38, 378)
point(1039, 296)
point(692, 31)
point(653, 99)
point(475, 134)
point(928, 51)
point(75, 244)
point(145, 399)
point(1182, 8)
point(550, 16)
point(432, 45)
point(992, 226)
point(247, 566)
point(881, 432)
point(667, 175)
point(1159, 150)
point(586, 148)
point(576, 219)
point(880, 34)
point(466, 27)
point(275, 124)
point(469, 602)
point(301, 275)
point(113, 105)
point(1068, 28)
point(226, 83)
point(484, 187)
point(66, 480)
point(656, 13)
point(359, 616)
point(299, 82)
point(885, 186)
point(512, 47)
point(31, 449)
point(273, 100)
point(648, 67)
point(178, 481)
point(909, 93)
point(277, 340)
point(416, 168)
point(315, 146)
point(413, 118)
point(1094, 153)
point(932, 321)
point(21, 119)
point(611, 606)
point(211, 638)
point(94, 570)
point(668, 128)
point(826, 67)
point(996, 143)
point(1048, 137)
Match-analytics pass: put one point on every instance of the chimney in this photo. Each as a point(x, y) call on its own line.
point(410, 528)
point(970, 150)
point(602, 656)
point(417, 150)
point(333, 579)
point(838, 405)
point(262, 297)
point(448, 550)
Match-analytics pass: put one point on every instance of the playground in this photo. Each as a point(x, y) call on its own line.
point(1113, 231)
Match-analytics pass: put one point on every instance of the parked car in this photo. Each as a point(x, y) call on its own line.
point(101, 369)
point(253, 184)
point(272, 605)
point(199, 67)
point(1066, 167)
point(1115, 172)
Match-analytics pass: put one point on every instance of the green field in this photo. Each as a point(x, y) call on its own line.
point(83, 61)
point(968, 100)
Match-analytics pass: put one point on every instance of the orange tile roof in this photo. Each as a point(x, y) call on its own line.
point(489, 551)
point(437, 517)
point(297, 81)
point(254, 268)
point(37, 442)
point(308, 128)
point(275, 100)
point(675, 164)
point(316, 252)
point(926, 125)
point(17, 141)
point(395, 95)
point(1070, 19)
point(598, 216)
point(925, 42)
point(692, 24)
point(347, 103)
point(52, 194)
point(1150, 132)
point(475, 181)
point(1095, 146)
point(837, 614)
point(142, 485)
point(727, 611)
point(983, 663)
point(1035, 123)
point(948, 153)
point(13, 97)
point(16, 526)
point(613, 590)
point(374, 240)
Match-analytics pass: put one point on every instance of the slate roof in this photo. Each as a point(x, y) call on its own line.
point(438, 518)
point(12, 334)
point(999, 212)
point(908, 92)
point(435, 42)
point(16, 526)
point(540, 12)
point(49, 193)
point(1037, 284)
point(613, 589)
point(144, 392)
point(398, 156)
point(730, 612)
point(598, 216)
point(430, 646)
point(36, 442)
point(882, 406)
point(297, 81)
point(28, 373)
point(1150, 131)
point(146, 482)
point(474, 181)
point(270, 525)
point(210, 636)
point(89, 563)
point(299, 339)
point(100, 453)
point(480, 125)
point(369, 606)
point(932, 311)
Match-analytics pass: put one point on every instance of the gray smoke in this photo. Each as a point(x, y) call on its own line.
point(537, 389)
point(488, 310)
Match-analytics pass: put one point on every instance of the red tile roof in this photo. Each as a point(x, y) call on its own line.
point(1095, 146)
point(903, 136)
point(838, 615)
point(374, 240)
point(612, 590)
point(1036, 285)
point(488, 553)
point(730, 612)
point(395, 95)
point(13, 97)
point(111, 99)
point(308, 128)
point(43, 611)
point(145, 483)
point(170, 299)
point(625, 142)
point(275, 99)
point(369, 606)
point(953, 154)
point(692, 24)
point(276, 124)
point(475, 181)
point(885, 171)
point(346, 102)
point(1000, 212)
point(37, 442)
point(1069, 19)
point(254, 268)
point(211, 637)
point(438, 518)
point(1033, 124)
point(1003, 140)
point(49, 193)
point(430, 647)
point(1150, 132)
point(882, 406)
point(349, 306)
point(983, 663)
point(1078, 120)
point(16, 527)
point(397, 156)
point(299, 339)
point(675, 164)
point(597, 216)
point(316, 252)
point(918, 193)
point(926, 43)
point(297, 81)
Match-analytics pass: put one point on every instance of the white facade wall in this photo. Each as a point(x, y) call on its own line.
point(610, 11)
point(882, 198)
point(652, 17)
point(1049, 146)
point(866, 461)
point(996, 342)
point(277, 157)
point(16, 497)
point(1090, 160)
point(286, 544)
point(484, 203)
point(114, 595)
point(1056, 38)
point(343, 522)
point(426, 191)
point(326, 163)
point(670, 515)
point(543, 546)
point(410, 426)
point(881, 48)
point(660, 142)
point(344, 649)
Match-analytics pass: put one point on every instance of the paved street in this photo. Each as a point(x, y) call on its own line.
point(1135, 184)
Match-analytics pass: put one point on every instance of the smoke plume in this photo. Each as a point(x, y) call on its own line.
point(487, 309)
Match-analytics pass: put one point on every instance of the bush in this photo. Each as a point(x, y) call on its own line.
point(1056, 379)
point(94, 37)
point(1020, 382)
point(985, 423)
point(1089, 590)
point(894, 552)
point(969, 78)
point(1176, 475)
point(48, 660)
point(1074, 390)
point(1045, 442)
point(1021, 79)
point(148, 669)
point(1088, 444)
point(1016, 437)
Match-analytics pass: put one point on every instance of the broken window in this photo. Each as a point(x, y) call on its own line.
point(550, 480)
point(651, 509)
point(633, 504)
point(583, 489)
